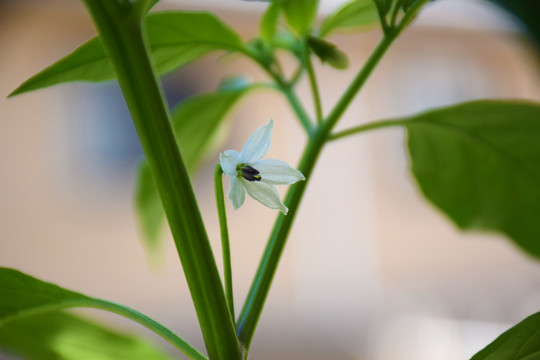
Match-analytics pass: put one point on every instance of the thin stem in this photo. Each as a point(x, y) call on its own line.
point(286, 89)
point(122, 36)
point(382, 17)
point(395, 13)
point(313, 84)
point(224, 230)
point(296, 75)
point(365, 127)
point(150, 324)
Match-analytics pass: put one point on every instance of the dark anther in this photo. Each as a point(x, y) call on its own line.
point(250, 174)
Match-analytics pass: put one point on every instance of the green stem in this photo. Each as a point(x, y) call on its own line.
point(286, 89)
point(260, 286)
point(313, 84)
point(120, 30)
point(224, 230)
point(150, 324)
point(365, 127)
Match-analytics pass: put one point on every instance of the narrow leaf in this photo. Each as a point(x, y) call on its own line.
point(22, 297)
point(196, 121)
point(300, 14)
point(328, 52)
point(59, 335)
point(479, 162)
point(149, 210)
point(175, 38)
point(269, 21)
point(355, 14)
point(521, 342)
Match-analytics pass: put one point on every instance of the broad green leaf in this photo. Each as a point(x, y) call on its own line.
point(196, 121)
point(300, 14)
point(175, 38)
point(23, 297)
point(357, 13)
point(59, 335)
point(522, 342)
point(479, 162)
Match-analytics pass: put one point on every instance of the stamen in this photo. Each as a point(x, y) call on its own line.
point(250, 174)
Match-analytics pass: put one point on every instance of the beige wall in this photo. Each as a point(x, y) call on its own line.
point(369, 262)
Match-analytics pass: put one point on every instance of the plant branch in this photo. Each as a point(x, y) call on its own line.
point(224, 230)
point(260, 286)
point(365, 127)
point(120, 29)
point(313, 83)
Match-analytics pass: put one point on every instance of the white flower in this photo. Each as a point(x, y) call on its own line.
point(248, 172)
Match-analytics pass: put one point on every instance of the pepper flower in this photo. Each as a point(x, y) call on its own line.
point(256, 176)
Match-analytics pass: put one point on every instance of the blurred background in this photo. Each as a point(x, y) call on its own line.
point(371, 270)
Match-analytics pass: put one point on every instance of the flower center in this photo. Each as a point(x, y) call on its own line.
point(249, 173)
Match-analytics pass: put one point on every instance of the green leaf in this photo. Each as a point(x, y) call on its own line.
point(522, 342)
point(149, 210)
point(196, 122)
point(355, 14)
point(22, 297)
point(58, 335)
point(175, 38)
point(479, 162)
point(300, 14)
point(269, 21)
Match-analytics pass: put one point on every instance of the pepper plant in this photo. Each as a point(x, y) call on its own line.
point(452, 150)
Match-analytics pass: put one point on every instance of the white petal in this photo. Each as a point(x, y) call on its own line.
point(277, 172)
point(237, 192)
point(228, 161)
point(265, 194)
point(257, 145)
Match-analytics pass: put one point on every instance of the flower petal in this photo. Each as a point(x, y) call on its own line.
point(265, 194)
point(228, 161)
point(237, 192)
point(257, 145)
point(277, 172)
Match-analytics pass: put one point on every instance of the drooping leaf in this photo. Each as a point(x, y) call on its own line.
point(521, 342)
point(300, 14)
point(24, 297)
point(59, 335)
point(328, 52)
point(175, 38)
point(196, 121)
point(355, 14)
point(479, 162)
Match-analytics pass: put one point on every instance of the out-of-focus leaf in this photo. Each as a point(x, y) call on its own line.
point(328, 53)
point(23, 297)
point(521, 342)
point(355, 14)
point(269, 21)
point(300, 14)
point(196, 121)
point(149, 211)
point(175, 38)
point(479, 162)
point(59, 335)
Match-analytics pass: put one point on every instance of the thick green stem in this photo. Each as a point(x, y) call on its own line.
point(224, 230)
point(120, 30)
point(260, 286)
